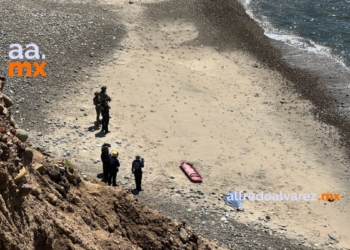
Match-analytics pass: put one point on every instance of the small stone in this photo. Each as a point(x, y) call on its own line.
point(25, 190)
point(333, 238)
point(183, 235)
point(22, 135)
point(37, 166)
point(223, 218)
point(52, 199)
point(172, 177)
point(131, 2)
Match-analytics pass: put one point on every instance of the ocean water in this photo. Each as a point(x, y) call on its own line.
point(313, 35)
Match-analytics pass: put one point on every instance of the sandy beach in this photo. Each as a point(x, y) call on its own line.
point(176, 99)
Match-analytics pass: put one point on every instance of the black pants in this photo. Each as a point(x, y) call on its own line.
point(105, 121)
point(138, 178)
point(105, 171)
point(112, 178)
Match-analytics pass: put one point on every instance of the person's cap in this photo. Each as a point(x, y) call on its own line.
point(104, 87)
point(97, 93)
point(138, 157)
point(115, 153)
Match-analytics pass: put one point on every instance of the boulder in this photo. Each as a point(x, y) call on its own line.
point(22, 135)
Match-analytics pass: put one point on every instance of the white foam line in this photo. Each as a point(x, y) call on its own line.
point(291, 39)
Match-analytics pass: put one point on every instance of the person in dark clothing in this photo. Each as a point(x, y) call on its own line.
point(105, 162)
point(97, 103)
point(105, 116)
point(136, 169)
point(113, 168)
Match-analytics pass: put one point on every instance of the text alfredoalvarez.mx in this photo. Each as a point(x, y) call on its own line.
point(16, 53)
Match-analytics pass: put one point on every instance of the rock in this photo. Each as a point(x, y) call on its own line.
point(223, 218)
point(25, 190)
point(32, 155)
point(52, 199)
point(333, 238)
point(70, 176)
point(171, 240)
point(7, 100)
point(172, 177)
point(183, 235)
point(4, 138)
point(38, 166)
point(20, 175)
point(131, 2)
point(22, 135)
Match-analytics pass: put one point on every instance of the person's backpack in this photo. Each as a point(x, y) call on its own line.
point(96, 101)
point(137, 166)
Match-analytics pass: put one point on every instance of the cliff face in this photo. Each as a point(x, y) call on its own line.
point(44, 204)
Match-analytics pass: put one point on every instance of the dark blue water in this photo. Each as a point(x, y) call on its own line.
point(313, 35)
point(320, 22)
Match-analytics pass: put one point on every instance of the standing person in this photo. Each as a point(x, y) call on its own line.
point(97, 103)
point(105, 116)
point(103, 94)
point(113, 168)
point(105, 162)
point(136, 169)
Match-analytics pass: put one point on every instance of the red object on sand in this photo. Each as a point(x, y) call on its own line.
point(191, 172)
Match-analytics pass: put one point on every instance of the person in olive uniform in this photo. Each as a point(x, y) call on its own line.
point(103, 95)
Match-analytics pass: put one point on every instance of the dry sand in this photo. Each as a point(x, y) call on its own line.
point(223, 111)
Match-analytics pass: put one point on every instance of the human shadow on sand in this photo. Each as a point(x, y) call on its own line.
point(134, 191)
point(100, 134)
